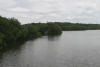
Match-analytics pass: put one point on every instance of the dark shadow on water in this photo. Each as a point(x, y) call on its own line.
point(31, 39)
point(54, 37)
point(15, 45)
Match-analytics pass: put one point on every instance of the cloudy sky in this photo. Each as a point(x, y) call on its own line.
point(28, 11)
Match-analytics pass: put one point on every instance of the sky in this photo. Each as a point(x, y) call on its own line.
point(29, 11)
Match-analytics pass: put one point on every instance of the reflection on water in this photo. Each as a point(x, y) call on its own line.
point(54, 37)
point(71, 49)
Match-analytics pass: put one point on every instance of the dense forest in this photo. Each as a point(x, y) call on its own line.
point(11, 30)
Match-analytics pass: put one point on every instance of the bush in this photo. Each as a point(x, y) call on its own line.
point(53, 29)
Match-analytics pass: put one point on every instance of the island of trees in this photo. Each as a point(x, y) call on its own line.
point(11, 30)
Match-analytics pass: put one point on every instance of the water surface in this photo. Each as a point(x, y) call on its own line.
point(71, 49)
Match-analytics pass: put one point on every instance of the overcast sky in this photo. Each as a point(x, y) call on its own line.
point(28, 11)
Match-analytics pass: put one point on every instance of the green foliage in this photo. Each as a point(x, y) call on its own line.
point(10, 28)
point(42, 28)
point(77, 26)
point(2, 44)
point(14, 22)
point(39, 34)
point(53, 29)
point(1, 37)
point(31, 29)
point(23, 32)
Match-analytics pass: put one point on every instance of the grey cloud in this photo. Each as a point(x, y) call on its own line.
point(54, 10)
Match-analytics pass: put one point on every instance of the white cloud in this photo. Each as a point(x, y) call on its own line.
point(19, 9)
point(7, 3)
point(28, 11)
point(86, 7)
point(79, 17)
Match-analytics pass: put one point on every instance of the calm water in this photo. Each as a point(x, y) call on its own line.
point(71, 49)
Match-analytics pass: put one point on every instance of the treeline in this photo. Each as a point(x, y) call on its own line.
point(67, 26)
point(11, 30)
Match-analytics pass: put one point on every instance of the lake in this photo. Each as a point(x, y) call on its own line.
point(71, 49)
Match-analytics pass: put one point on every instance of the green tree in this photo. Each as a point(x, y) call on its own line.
point(53, 29)
point(1, 37)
